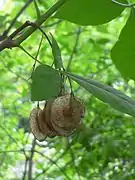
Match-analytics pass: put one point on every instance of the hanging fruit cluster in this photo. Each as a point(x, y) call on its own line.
point(60, 117)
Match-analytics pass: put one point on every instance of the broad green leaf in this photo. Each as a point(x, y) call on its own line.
point(45, 83)
point(123, 53)
point(107, 94)
point(56, 54)
point(89, 12)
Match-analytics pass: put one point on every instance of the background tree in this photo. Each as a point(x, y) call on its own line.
point(96, 43)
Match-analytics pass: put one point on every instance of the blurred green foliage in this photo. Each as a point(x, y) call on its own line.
point(103, 148)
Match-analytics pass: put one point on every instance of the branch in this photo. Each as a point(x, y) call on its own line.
point(44, 170)
point(9, 43)
point(31, 159)
point(52, 24)
point(14, 20)
point(53, 162)
point(25, 169)
point(25, 165)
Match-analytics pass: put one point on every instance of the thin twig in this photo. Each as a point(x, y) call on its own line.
point(26, 162)
point(14, 140)
point(30, 54)
point(43, 155)
point(18, 30)
point(9, 43)
point(73, 158)
point(32, 151)
point(38, 27)
point(34, 65)
point(74, 48)
point(52, 24)
point(31, 159)
point(25, 169)
point(42, 19)
point(72, 54)
point(54, 162)
point(14, 151)
point(5, 33)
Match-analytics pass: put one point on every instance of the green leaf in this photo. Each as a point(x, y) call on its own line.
point(37, 9)
point(88, 12)
point(46, 83)
point(123, 53)
point(107, 94)
point(56, 54)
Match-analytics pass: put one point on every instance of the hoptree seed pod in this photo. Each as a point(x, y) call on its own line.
point(41, 122)
point(47, 115)
point(60, 117)
point(66, 114)
point(34, 125)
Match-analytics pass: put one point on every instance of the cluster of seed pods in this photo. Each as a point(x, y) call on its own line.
point(60, 117)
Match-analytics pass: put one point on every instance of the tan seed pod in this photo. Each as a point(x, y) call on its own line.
point(35, 126)
point(66, 114)
point(47, 116)
point(42, 122)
